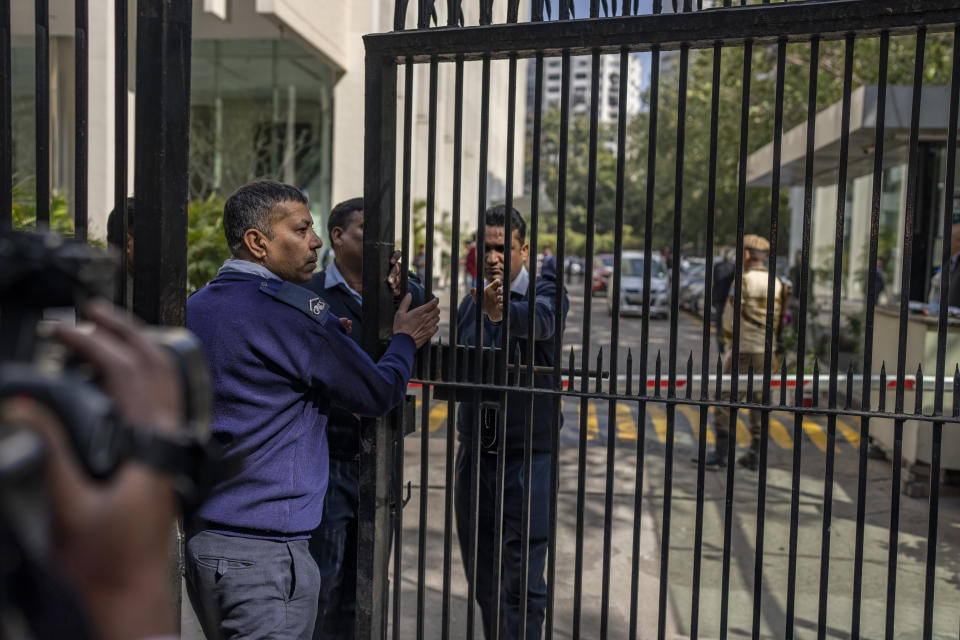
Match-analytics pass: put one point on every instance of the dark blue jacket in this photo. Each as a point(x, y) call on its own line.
point(275, 372)
point(343, 431)
point(542, 332)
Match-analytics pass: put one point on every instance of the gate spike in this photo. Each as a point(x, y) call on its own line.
point(816, 381)
point(454, 11)
point(956, 391)
point(883, 386)
point(629, 372)
point(486, 12)
point(599, 365)
point(656, 386)
point(513, 11)
point(846, 405)
point(689, 373)
point(400, 15)
point(783, 382)
point(918, 395)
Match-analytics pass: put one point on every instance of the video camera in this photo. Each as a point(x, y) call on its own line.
point(42, 273)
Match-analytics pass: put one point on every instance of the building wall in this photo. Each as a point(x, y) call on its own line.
point(331, 30)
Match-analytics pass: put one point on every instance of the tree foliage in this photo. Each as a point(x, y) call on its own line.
point(206, 244)
point(696, 149)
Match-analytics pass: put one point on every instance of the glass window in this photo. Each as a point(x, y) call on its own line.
point(260, 109)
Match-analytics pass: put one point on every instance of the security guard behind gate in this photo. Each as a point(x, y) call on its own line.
point(542, 333)
point(279, 361)
point(334, 543)
point(753, 322)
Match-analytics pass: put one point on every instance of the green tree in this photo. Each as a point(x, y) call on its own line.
point(696, 151)
point(206, 244)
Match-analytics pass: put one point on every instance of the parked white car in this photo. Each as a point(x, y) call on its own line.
point(631, 285)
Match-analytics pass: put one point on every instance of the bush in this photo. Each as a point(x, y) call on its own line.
point(206, 245)
point(25, 209)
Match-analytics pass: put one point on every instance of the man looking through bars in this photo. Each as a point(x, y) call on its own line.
point(334, 543)
point(543, 333)
point(279, 360)
point(753, 322)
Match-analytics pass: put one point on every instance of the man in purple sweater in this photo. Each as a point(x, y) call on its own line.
point(278, 361)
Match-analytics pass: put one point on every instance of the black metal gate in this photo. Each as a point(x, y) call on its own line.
point(816, 541)
point(162, 59)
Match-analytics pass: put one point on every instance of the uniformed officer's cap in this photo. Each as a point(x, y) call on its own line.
point(755, 242)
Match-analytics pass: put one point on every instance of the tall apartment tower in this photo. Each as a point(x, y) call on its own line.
point(580, 83)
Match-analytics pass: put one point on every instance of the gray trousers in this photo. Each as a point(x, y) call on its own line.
point(250, 588)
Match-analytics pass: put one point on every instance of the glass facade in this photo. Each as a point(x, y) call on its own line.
point(260, 109)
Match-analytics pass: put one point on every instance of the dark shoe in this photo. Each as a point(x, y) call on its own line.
point(714, 461)
point(750, 460)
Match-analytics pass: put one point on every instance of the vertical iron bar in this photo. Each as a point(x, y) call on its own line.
point(835, 332)
point(379, 195)
point(614, 341)
point(42, 110)
point(706, 341)
point(6, 120)
point(585, 347)
point(120, 179)
point(161, 160)
point(80, 124)
point(868, 327)
point(478, 342)
point(405, 202)
point(501, 373)
point(673, 341)
point(454, 341)
point(425, 391)
point(801, 340)
point(767, 373)
point(644, 328)
point(737, 300)
point(405, 250)
point(929, 589)
point(558, 335)
point(529, 352)
point(909, 213)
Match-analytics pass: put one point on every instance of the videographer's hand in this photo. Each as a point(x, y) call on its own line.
point(420, 323)
point(111, 539)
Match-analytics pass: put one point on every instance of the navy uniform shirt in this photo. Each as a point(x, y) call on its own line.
point(542, 333)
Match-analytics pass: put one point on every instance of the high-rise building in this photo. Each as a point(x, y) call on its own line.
point(580, 85)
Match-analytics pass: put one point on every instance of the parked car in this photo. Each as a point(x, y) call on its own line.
point(631, 286)
point(602, 270)
point(691, 287)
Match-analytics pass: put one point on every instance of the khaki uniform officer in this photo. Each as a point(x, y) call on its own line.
point(753, 322)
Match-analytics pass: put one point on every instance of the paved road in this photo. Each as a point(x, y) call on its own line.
point(593, 416)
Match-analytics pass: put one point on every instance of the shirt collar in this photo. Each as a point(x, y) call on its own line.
point(334, 277)
point(233, 265)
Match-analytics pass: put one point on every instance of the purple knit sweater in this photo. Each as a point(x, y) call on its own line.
point(275, 372)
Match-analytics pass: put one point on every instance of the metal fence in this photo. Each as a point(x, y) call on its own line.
point(807, 584)
point(162, 64)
